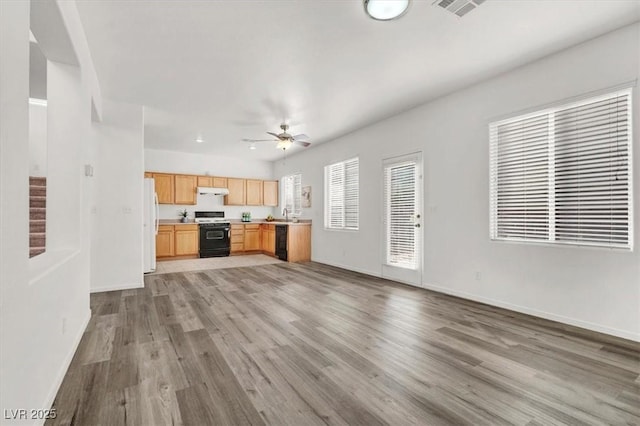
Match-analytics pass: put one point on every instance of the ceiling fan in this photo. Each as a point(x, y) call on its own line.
point(284, 140)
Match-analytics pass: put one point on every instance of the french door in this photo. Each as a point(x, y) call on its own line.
point(402, 222)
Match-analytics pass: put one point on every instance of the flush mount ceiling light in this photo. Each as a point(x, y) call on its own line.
point(385, 10)
point(199, 140)
point(252, 146)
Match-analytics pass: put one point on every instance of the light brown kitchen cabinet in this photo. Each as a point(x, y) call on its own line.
point(205, 181)
point(254, 192)
point(237, 238)
point(251, 237)
point(299, 243)
point(268, 238)
point(270, 193)
point(186, 240)
point(185, 189)
point(219, 182)
point(164, 187)
point(164, 241)
point(237, 192)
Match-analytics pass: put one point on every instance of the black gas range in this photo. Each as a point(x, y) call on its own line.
point(215, 234)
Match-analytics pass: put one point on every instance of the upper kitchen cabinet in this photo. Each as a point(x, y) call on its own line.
point(219, 182)
point(270, 193)
point(148, 175)
point(237, 192)
point(164, 187)
point(254, 192)
point(185, 189)
point(205, 181)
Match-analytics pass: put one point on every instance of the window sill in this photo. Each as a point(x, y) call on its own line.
point(592, 246)
point(45, 263)
point(342, 229)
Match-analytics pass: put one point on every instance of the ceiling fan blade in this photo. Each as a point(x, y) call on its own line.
point(305, 144)
point(300, 137)
point(259, 140)
point(274, 134)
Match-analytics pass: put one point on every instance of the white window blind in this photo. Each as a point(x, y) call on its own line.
point(342, 195)
point(292, 194)
point(400, 212)
point(563, 175)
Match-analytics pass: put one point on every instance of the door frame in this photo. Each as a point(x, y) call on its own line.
point(404, 275)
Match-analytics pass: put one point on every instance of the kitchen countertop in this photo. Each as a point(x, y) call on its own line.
point(177, 222)
point(273, 222)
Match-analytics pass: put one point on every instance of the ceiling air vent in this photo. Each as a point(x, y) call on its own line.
point(459, 7)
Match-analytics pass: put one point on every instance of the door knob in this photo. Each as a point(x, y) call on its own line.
point(417, 225)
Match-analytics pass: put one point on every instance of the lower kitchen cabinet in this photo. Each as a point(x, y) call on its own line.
point(237, 238)
point(186, 240)
point(164, 241)
point(268, 238)
point(251, 237)
point(177, 240)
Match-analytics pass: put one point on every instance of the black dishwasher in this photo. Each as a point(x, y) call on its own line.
point(281, 242)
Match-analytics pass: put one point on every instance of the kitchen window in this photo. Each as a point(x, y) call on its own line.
point(342, 195)
point(292, 194)
point(563, 175)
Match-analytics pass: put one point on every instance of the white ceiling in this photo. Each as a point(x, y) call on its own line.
point(228, 70)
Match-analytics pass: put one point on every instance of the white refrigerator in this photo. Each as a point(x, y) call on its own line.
point(150, 228)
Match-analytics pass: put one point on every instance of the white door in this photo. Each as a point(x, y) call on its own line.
point(402, 224)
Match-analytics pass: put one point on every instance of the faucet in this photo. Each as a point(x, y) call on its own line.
point(285, 213)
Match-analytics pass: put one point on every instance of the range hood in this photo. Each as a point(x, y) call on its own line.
point(212, 191)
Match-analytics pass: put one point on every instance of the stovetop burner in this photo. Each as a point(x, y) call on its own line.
point(210, 217)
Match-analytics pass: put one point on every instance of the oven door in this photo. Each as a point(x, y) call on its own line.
point(214, 241)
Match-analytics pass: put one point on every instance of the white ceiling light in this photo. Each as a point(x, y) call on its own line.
point(252, 146)
point(199, 140)
point(284, 144)
point(385, 10)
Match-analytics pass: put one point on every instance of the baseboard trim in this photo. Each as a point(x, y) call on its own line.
point(536, 313)
point(505, 305)
point(349, 268)
point(116, 287)
point(67, 362)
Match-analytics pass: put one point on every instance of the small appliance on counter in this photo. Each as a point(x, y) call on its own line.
point(215, 234)
point(246, 216)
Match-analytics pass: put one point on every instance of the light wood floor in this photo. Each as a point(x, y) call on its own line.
point(293, 344)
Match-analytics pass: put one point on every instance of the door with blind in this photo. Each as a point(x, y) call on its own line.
point(402, 222)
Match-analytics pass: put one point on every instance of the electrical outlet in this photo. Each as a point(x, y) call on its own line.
point(126, 210)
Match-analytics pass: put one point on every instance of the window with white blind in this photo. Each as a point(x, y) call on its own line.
point(563, 175)
point(292, 194)
point(342, 195)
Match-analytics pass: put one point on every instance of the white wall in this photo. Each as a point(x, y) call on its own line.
point(44, 301)
point(116, 214)
point(37, 140)
point(593, 288)
point(179, 162)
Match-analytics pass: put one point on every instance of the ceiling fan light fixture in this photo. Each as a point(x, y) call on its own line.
point(284, 144)
point(252, 146)
point(199, 140)
point(386, 10)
